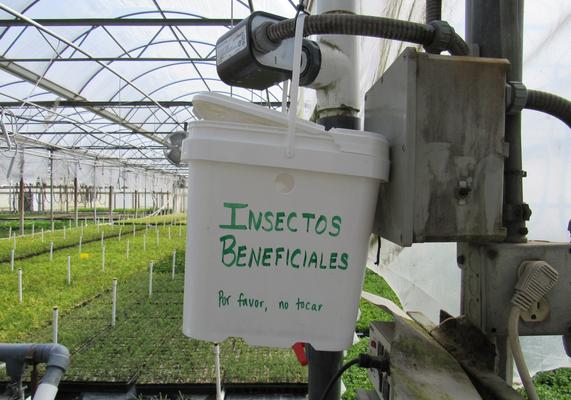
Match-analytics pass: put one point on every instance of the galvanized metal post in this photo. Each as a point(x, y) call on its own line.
point(21, 206)
point(52, 187)
point(75, 199)
point(94, 199)
point(110, 204)
point(496, 28)
point(124, 192)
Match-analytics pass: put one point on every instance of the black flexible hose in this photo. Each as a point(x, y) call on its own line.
point(334, 379)
point(349, 24)
point(549, 103)
point(433, 10)
point(364, 25)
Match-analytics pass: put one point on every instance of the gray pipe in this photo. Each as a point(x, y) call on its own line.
point(55, 356)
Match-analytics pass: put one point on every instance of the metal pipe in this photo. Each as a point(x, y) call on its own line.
point(90, 22)
point(52, 187)
point(496, 27)
point(110, 204)
point(21, 205)
point(85, 53)
point(75, 200)
point(496, 30)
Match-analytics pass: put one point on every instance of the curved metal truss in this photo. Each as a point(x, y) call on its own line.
point(110, 79)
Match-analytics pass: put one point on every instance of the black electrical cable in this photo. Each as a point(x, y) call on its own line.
point(549, 103)
point(341, 371)
point(365, 25)
point(364, 361)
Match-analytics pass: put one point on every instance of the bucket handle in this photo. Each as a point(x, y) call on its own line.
point(298, 39)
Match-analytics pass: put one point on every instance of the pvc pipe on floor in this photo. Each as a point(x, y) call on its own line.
point(51, 251)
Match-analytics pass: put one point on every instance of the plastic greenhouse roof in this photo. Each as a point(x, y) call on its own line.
point(75, 74)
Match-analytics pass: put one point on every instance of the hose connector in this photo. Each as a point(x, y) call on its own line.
point(442, 39)
point(516, 97)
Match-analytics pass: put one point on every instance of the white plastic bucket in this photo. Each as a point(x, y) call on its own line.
point(277, 246)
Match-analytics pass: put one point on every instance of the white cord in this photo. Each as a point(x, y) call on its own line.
point(519, 359)
point(284, 96)
point(535, 280)
point(298, 39)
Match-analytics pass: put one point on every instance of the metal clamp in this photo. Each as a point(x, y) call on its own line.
point(516, 97)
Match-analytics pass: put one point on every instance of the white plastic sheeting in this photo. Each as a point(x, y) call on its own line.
point(34, 166)
point(425, 276)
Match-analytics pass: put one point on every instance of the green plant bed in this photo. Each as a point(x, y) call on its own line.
point(104, 210)
point(175, 219)
point(30, 245)
point(44, 281)
point(147, 344)
point(552, 385)
point(369, 312)
point(357, 378)
point(37, 224)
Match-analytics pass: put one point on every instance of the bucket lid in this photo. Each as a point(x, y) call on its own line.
point(240, 132)
point(217, 107)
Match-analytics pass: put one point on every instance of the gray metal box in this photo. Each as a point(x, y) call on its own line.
point(444, 117)
point(489, 276)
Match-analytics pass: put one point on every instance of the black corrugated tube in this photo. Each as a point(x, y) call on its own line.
point(364, 25)
point(550, 104)
point(433, 10)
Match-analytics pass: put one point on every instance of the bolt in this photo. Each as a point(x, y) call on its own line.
point(463, 192)
point(461, 259)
